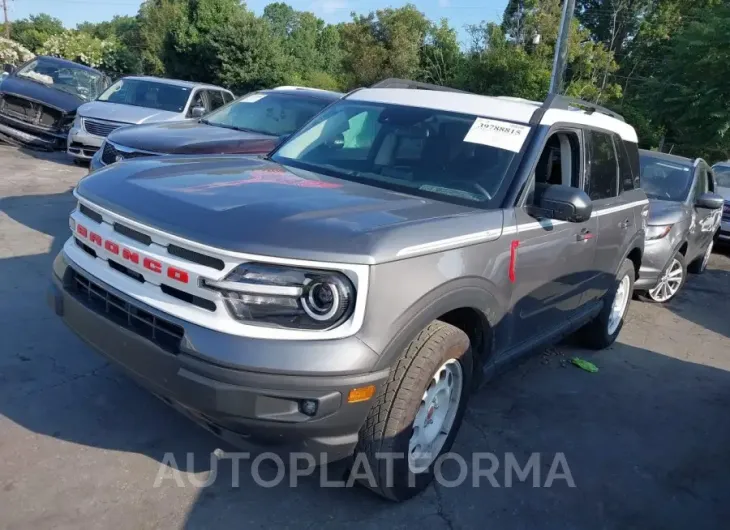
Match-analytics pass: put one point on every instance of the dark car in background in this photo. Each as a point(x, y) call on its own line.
point(253, 124)
point(38, 100)
point(684, 215)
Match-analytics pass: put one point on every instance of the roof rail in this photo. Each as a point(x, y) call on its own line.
point(558, 101)
point(293, 87)
point(393, 82)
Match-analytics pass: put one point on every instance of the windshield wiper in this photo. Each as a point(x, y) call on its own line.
point(233, 127)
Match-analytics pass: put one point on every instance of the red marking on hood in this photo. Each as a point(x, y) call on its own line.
point(264, 176)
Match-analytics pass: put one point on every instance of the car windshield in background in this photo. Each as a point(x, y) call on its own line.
point(150, 94)
point(722, 176)
point(419, 151)
point(274, 114)
point(82, 83)
point(665, 179)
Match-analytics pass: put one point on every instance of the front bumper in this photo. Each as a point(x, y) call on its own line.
point(82, 144)
point(27, 134)
point(239, 405)
point(655, 259)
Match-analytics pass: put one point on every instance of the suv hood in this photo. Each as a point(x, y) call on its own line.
point(255, 206)
point(192, 137)
point(666, 212)
point(125, 113)
point(41, 93)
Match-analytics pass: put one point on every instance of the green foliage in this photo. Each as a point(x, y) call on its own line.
point(662, 63)
point(34, 31)
point(13, 53)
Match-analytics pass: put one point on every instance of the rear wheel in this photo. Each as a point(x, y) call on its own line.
point(602, 331)
point(417, 413)
point(699, 265)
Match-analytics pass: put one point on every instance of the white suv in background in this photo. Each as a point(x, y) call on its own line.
point(137, 100)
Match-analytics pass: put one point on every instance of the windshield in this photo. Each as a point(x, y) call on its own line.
point(420, 151)
point(722, 176)
point(149, 94)
point(664, 179)
point(273, 114)
point(82, 83)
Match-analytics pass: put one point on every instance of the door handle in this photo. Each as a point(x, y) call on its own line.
point(584, 235)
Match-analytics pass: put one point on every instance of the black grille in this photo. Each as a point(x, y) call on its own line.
point(91, 214)
point(196, 257)
point(203, 303)
point(100, 128)
point(110, 153)
point(163, 333)
point(133, 234)
point(86, 248)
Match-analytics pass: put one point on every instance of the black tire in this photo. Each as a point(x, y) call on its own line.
point(389, 425)
point(699, 265)
point(595, 335)
point(646, 297)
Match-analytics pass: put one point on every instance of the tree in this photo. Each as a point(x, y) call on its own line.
point(441, 56)
point(34, 31)
point(157, 19)
point(13, 53)
point(124, 32)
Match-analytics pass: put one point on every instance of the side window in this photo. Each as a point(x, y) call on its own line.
point(701, 186)
point(216, 99)
point(602, 178)
point(626, 176)
point(197, 101)
point(560, 160)
point(227, 97)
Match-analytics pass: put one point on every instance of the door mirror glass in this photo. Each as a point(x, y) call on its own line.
point(562, 203)
point(710, 200)
point(197, 112)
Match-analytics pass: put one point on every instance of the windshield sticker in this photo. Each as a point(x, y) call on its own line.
point(495, 133)
point(253, 98)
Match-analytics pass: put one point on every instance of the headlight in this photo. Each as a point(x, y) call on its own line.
point(286, 297)
point(657, 232)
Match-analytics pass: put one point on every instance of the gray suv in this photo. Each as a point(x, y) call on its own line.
point(344, 294)
point(684, 216)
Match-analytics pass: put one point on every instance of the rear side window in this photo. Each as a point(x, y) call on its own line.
point(228, 97)
point(626, 175)
point(602, 181)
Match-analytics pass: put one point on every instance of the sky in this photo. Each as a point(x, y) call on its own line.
point(459, 12)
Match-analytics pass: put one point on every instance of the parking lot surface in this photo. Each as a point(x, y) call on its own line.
point(646, 438)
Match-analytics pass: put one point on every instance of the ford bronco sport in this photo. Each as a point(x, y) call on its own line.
point(344, 294)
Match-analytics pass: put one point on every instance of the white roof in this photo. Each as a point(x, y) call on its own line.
point(502, 108)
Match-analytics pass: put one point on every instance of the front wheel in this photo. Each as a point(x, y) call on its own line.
point(417, 413)
point(670, 283)
point(602, 331)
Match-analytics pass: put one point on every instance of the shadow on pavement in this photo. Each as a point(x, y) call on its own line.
point(646, 439)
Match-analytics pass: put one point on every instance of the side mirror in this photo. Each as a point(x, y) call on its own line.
point(710, 200)
point(197, 112)
point(562, 203)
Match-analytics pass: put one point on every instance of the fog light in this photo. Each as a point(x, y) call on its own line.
point(361, 394)
point(308, 407)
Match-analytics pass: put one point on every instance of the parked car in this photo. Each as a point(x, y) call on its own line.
point(684, 214)
point(343, 293)
point(253, 124)
point(136, 100)
point(38, 100)
point(722, 179)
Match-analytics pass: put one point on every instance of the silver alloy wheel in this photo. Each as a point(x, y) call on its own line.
point(669, 283)
point(620, 301)
point(435, 416)
point(708, 253)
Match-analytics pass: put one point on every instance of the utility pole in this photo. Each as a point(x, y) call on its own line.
point(561, 48)
point(7, 22)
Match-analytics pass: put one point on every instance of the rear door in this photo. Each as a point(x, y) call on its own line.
point(613, 209)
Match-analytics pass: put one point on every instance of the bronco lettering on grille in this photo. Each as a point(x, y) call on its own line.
point(131, 256)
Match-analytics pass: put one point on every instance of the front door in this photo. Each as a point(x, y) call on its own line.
point(553, 263)
point(704, 221)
